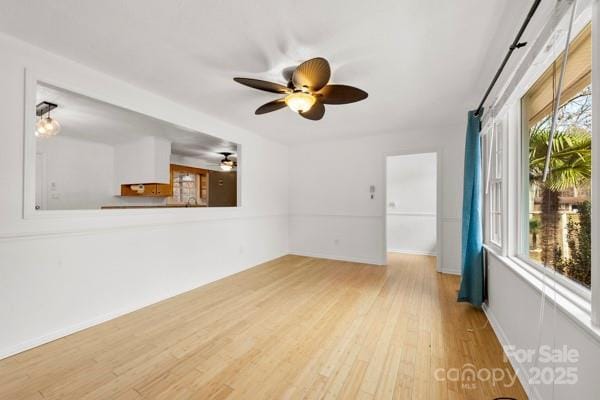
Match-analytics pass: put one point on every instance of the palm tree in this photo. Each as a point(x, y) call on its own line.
point(570, 166)
point(534, 229)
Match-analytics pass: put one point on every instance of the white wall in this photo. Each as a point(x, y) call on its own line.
point(145, 160)
point(331, 212)
point(411, 188)
point(194, 162)
point(76, 174)
point(514, 309)
point(80, 175)
point(64, 271)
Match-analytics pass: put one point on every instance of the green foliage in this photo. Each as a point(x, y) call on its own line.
point(534, 226)
point(571, 162)
point(570, 167)
point(577, 267)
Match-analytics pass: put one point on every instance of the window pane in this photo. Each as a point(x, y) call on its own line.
point(498, 151)
point(560, 208)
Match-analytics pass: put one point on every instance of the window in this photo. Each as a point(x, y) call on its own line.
point(556, 224)
point(496, 187)
point(86, 154)
point(190, 186)
point(493, 143)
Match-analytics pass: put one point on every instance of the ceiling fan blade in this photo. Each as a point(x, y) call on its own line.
point(315, 113)
point(312, 74)
point(341, 94)
point(270, 106)
point(263, 85)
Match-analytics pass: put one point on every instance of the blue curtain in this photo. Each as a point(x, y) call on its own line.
point(471, 285)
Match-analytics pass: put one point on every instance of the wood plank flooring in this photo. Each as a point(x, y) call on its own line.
point(293, 328)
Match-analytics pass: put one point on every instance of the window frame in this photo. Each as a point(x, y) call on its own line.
point(494, 135)
point(34, 76)
point(523, 199)
point(516, 218)
point(584, 299)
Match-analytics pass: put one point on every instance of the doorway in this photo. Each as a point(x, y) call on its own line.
point(412, 223)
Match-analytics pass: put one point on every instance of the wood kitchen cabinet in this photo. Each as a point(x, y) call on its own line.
point(150, 190)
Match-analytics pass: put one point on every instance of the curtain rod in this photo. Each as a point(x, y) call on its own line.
point(516, 44)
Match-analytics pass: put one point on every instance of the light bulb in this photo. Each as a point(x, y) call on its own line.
point(47, 127)
point(300, 101)
point(226, 167)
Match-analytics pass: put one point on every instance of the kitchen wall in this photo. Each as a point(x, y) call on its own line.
point(411, 206)
point(331, 211)
point(74, 174)
point(64, 271)
point(145, 160)
point(193, 162)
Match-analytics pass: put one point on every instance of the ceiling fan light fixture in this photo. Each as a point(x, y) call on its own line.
point(226, 167)
point(47, 127)
point(307, 91)
point(300, 101)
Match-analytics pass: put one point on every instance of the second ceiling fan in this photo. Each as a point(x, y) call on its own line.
point(307, 91)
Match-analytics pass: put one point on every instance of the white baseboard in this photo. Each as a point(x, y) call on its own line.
point(451, 271)
point(522, 373)
point(69, 330)
point(416, 252)
point(365, 260)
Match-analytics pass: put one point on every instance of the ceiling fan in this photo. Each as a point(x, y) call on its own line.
point(227, 164)
point(307, 91)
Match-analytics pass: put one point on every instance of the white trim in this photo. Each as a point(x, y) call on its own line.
point(42, 157)
point(360, 260)
point(439, 199)
point(412, 214)
point(570, 304)
point(522, 373)
point(450, 271)
point(452, 219)
point(317, 215)
point(595, 301)
point(57, 334)
point(31, 78)
point(515, 161)
point(9, 236)
point(514, 82)
point(415, 252)
point(543, 60)
point(562, 280)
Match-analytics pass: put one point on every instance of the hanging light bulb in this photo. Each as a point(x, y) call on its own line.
point(226, 166)
point(300, 101)
point(47, 127)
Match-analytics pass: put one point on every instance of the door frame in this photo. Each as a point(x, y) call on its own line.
point(439, 200)
point(41, 158)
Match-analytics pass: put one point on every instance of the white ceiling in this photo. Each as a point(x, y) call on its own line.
point(88, 119)
point(423, 62)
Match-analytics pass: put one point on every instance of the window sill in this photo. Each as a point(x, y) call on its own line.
point(570, 303)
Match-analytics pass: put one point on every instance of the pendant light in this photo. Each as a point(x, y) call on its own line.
point(47, 126)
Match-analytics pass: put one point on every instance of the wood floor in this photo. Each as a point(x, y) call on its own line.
point(296, 327)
